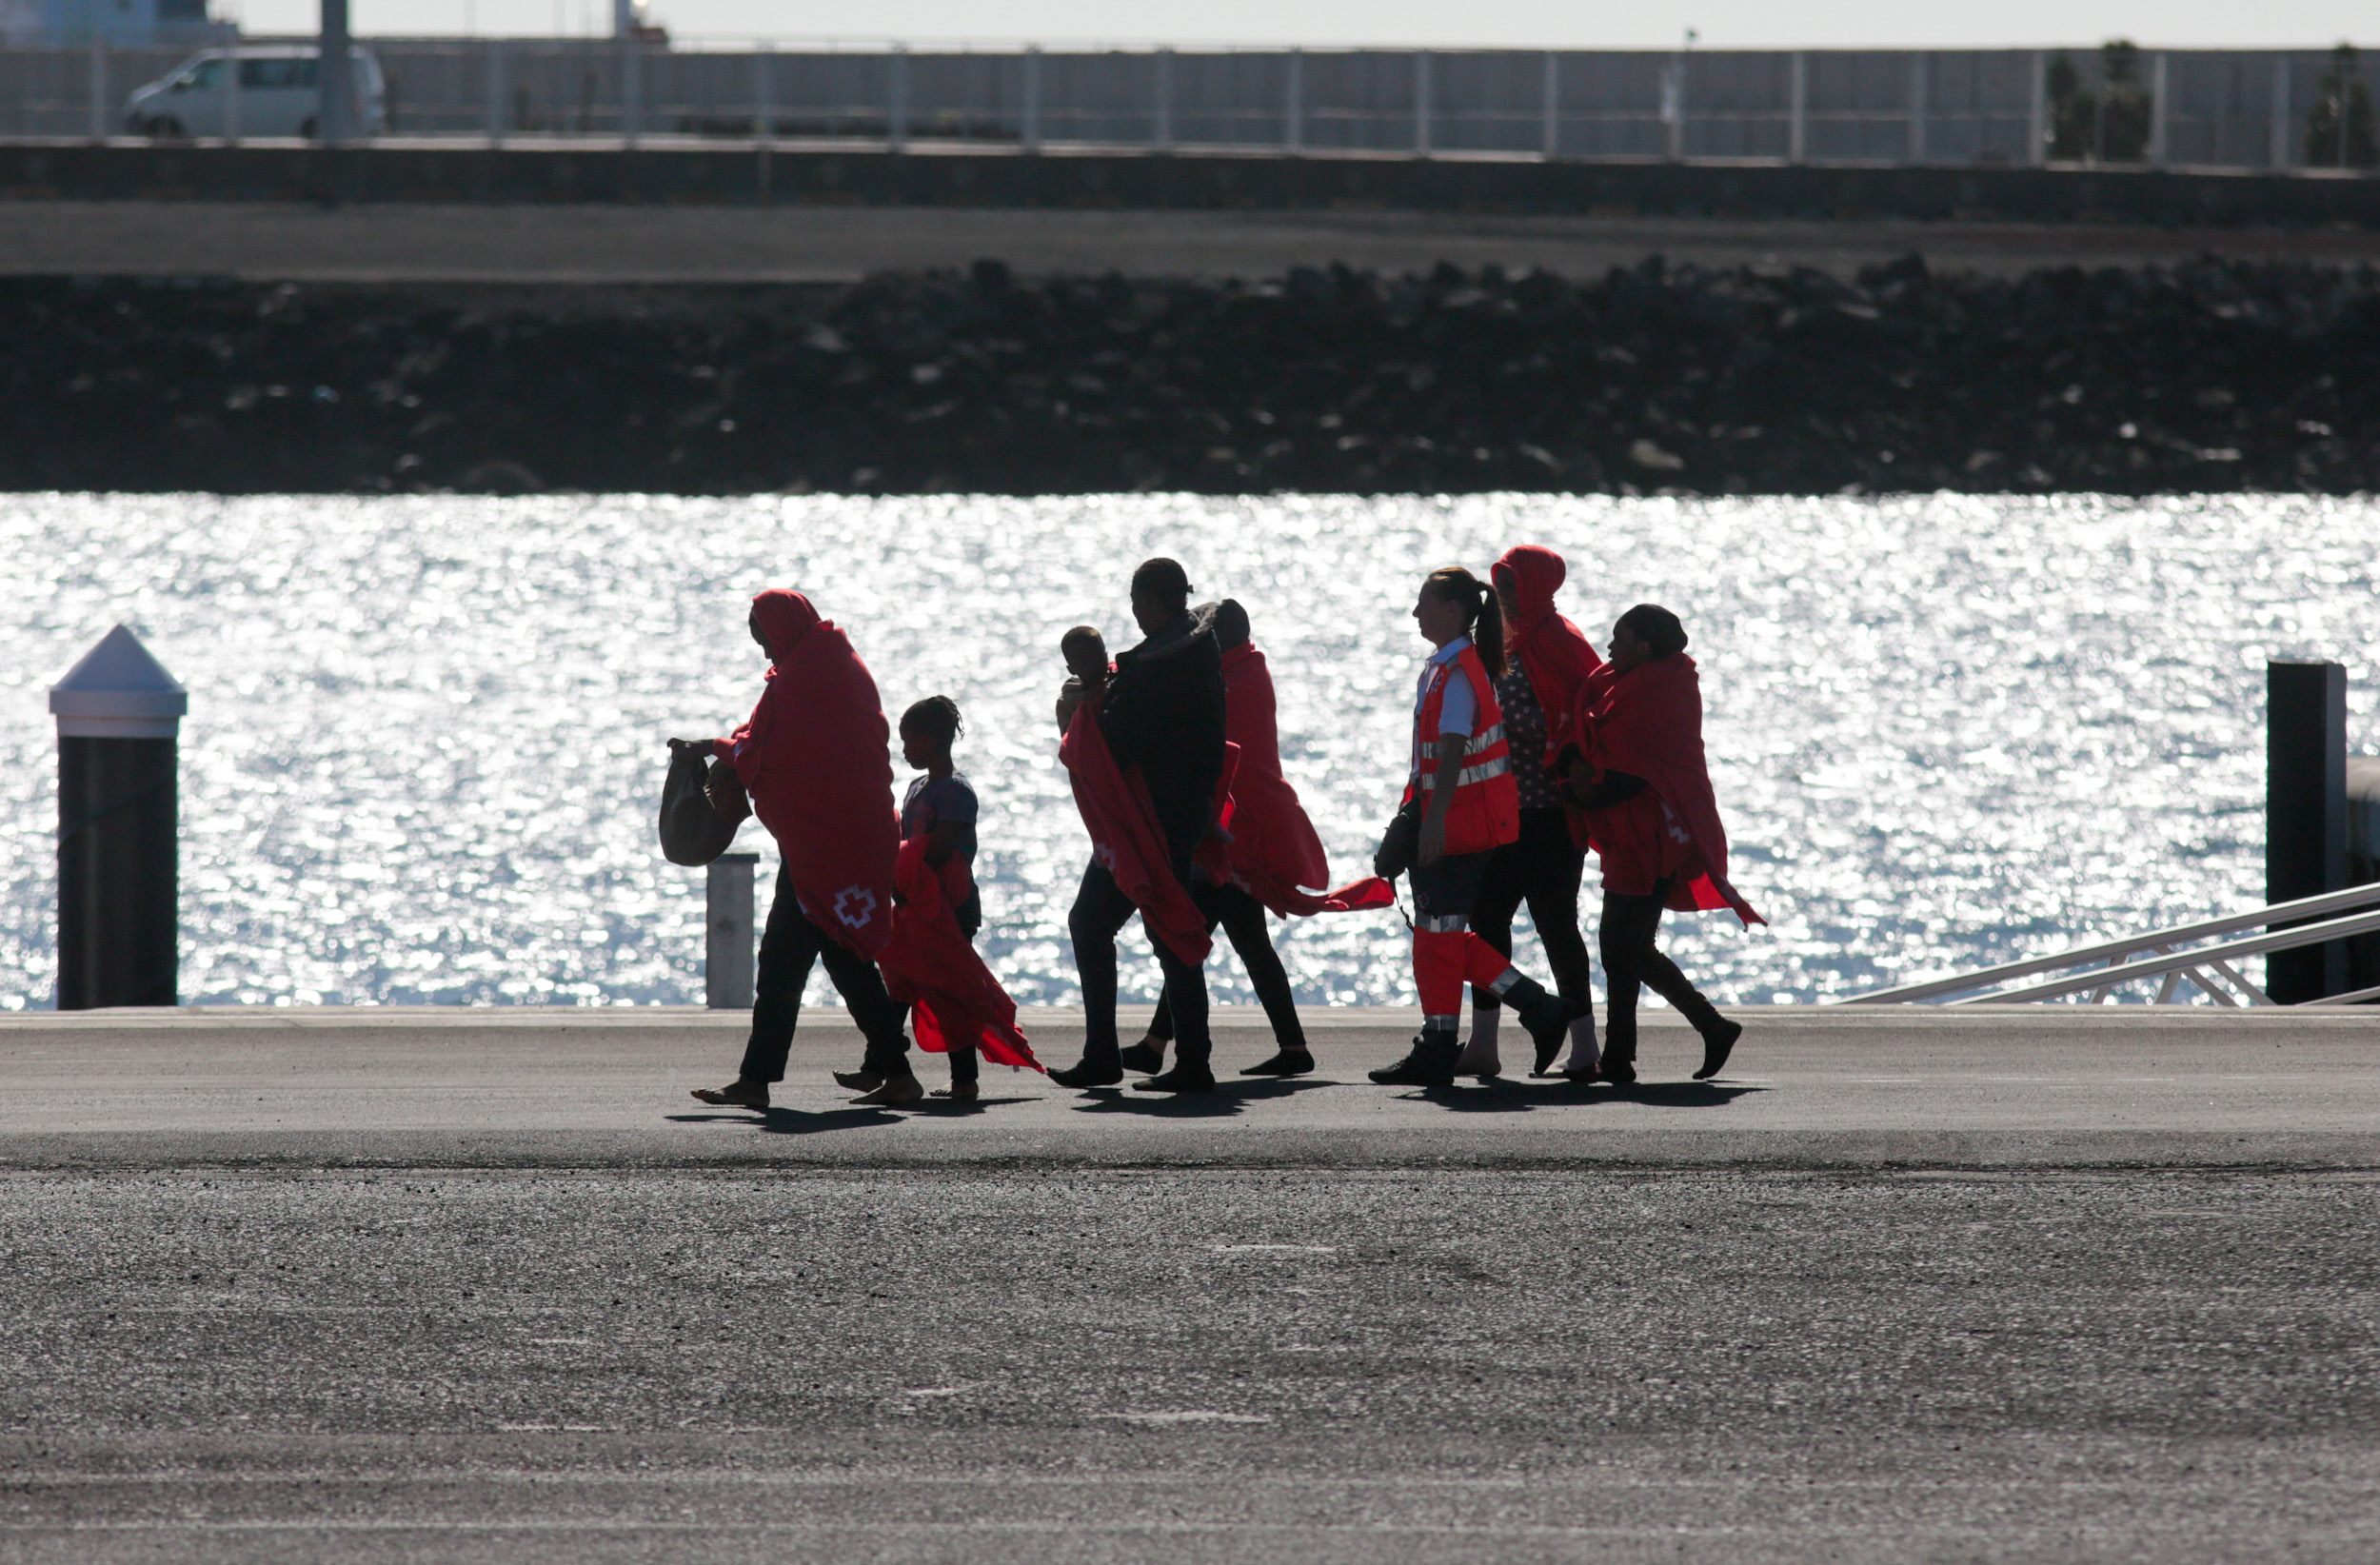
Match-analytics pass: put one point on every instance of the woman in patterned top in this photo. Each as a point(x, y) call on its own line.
point(1550, 660)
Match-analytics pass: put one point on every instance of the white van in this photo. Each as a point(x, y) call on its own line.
point(279, 94)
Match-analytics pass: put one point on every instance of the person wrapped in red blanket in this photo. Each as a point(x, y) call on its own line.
point(1269, 857)
point(1548, 660)
point(1643, 787)
point(959, 1008)
point(814, 757)
point(1148, 781)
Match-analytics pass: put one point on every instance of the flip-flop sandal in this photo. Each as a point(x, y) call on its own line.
point(726, 1098)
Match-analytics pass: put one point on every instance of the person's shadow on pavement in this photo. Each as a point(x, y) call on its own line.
point(778, 1121)
point(1228, 1098)
point(1503, 1095)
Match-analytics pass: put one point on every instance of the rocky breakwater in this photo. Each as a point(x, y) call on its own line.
point(2211, 376)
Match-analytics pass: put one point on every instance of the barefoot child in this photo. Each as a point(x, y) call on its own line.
point(940, 806)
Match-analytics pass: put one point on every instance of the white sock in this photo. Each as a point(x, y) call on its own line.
point(1479, 1054)
point(1584, 1054)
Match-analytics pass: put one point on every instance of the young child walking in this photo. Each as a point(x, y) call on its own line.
point(940, 806)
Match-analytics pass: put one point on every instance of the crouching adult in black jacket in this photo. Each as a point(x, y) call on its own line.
point(1162, 713)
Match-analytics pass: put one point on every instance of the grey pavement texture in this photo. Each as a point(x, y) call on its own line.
point(2041, 1285)
point(629, 245)
point(1809, 1086)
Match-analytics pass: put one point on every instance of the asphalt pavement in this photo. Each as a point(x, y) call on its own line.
point(2042, 1285)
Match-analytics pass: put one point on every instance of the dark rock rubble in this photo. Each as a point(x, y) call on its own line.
point(2210, 376)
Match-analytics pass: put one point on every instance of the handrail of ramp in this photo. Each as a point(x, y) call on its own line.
point(2164, 962)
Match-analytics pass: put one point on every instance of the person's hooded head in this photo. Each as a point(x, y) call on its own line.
point(1527, 577)
point(780, 617)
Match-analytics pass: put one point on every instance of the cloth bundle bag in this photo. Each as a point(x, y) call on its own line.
point(693, 830)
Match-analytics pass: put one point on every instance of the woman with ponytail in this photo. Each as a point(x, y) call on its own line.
point(1460, 784)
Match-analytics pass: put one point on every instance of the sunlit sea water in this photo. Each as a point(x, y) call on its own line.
point(426, 734)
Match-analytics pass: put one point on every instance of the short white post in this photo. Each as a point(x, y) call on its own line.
point(1161, 98)
point(727, 932)
point(897, 98)
point(2037, 113)
point(2279, 133)
point(1674, 106)
point(98, 85)
point(1029, 131)
point(1797, 113)
point(231, 95)
point(1550, 100)
point(1293, 104)
point(495, 93)
point(2159, 151)
point(1422, 103)
point(1916, 107)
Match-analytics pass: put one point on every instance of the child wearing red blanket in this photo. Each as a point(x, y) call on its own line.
point(815, 758)
point(930, 964)
point(1645, 791)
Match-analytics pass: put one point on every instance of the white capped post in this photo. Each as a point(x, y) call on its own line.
point(1162, 105)
point(2159, 151)
point(1797, 123)
point(119, 717)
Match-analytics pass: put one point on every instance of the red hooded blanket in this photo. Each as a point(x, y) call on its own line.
point(1273, 852)
point(1648, 723)
point(1125, 839)
point(1553, 652)
point(930, 963)
point(816, 758)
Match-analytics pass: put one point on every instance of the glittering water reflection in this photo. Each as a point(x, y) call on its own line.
point(424, 739)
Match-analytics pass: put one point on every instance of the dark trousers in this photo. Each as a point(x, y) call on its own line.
point(1100, 909)
point(1242, 918)
point(1630, 962)
point(1540, 867)
point(789, 944)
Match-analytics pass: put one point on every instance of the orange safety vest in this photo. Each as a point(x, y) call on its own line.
point(1486, 812)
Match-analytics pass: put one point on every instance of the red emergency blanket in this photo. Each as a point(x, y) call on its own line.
point(1126, 840)
point(1648, 723)
point(1272, 850)
point(816, 758)
point(1555, 653)
point(930, 963)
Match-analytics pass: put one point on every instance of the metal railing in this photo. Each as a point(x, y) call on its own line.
point(2211, 109)
point(2170, 966)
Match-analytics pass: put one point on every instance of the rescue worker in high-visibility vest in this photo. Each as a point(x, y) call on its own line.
point(1461, 793)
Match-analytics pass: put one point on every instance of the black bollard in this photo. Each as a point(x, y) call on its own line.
point(2304, 852)
point(119, 721)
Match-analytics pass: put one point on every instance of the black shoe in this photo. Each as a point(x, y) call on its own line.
point(1287, 1063)
point(1089, 1073)
point(1619, 1072)
point(1717, 1045)
point(1180, 1078)
point(1148, 1054)
point(1544, 1014)
point(1431, 1063)
point(861, 1080)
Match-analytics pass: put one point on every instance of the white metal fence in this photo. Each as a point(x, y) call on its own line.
point(2236, 109)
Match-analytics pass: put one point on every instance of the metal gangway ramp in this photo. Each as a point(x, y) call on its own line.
point(2105, 967)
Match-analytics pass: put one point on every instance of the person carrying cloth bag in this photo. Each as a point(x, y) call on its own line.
point(815, 757)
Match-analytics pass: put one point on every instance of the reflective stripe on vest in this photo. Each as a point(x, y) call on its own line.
point(1485, 811)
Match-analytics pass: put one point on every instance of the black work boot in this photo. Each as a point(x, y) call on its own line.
point(1717, 1044)
point(1545, 1016)
point(1093, 1071)
point(1431, 1063)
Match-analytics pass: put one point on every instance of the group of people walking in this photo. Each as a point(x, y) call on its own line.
point(1529, 750)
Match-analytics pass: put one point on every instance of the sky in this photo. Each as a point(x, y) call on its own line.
point(1723, 24)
